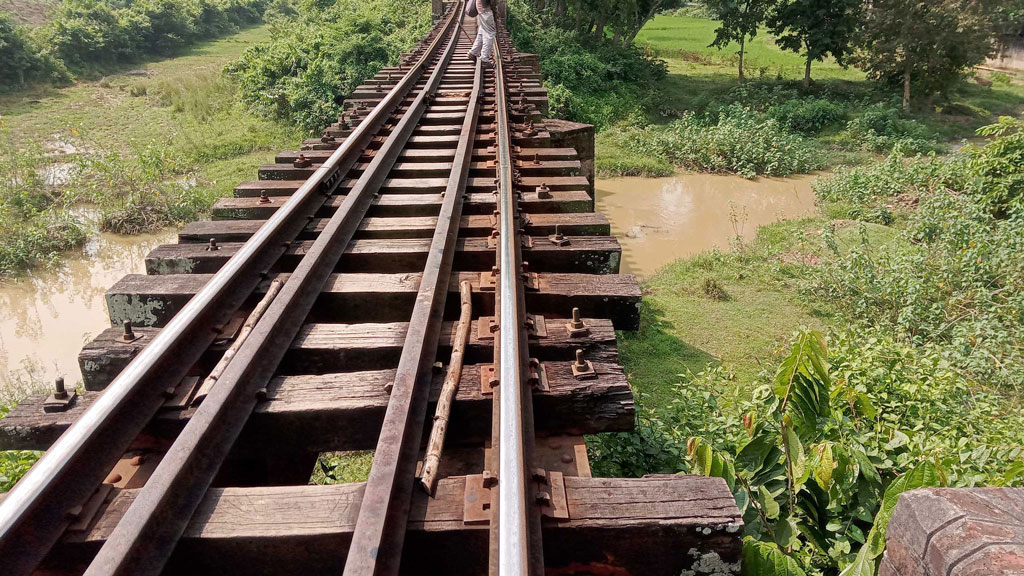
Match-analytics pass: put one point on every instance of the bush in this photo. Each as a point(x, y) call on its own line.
point(21, 60)
point(147, 190)
point(807, 116)
point(955, 283)
point(91, 35)
point(882, 128)
point(592, 81)
point(738, 141)
point(862, 192)
point(316, 60)
point(34, 221)
point(824, 442)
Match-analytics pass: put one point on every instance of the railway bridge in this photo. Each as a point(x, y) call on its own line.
point(428, 280)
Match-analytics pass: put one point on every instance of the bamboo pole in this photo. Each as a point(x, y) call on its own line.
point(451, 384)
point(250, 323)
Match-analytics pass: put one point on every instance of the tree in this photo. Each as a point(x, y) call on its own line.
point(740, 21)
point(927, 44)
point(816, 28)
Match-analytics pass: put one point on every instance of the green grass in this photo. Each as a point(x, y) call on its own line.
point(684, 331)
point(701, 78)
point(683, 43)
point(166, 122)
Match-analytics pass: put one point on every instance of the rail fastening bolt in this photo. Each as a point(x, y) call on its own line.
point(581, 362)
point(59, 392)
point(577, 324)
point(129, 334)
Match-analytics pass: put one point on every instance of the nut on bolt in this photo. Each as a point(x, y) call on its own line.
point(59, 392)
point(128, 335)
point(213, 247)
point(264, 199)
point(302, 162)
point(61, 399)
point(543, 191)
point(583, 369)
point(576, 326)
point(559, 239)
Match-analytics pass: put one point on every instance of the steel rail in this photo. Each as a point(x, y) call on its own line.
point(517, 534)
point(377, 542)
point(145, 537)
point(38, 509)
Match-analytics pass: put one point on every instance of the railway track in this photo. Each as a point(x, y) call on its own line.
point(431, 266)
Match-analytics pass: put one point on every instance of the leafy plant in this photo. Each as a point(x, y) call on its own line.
point(738, 141)
point(14, 463)
point(313, 62)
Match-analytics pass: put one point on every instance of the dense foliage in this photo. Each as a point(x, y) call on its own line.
point(589, 79)
point(928, 44)
point(318, 56)
point(816, 28)
point(14, 463)
point(623, 19)
point(20, 60)
point(86, 36)
point(919, 387)
point(735, 139)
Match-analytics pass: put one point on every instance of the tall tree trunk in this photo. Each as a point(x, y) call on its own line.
point(618, 36)
point(650, 14)
point(600, 27)
point(906, 86)
point(743, 43)
point(807, 72)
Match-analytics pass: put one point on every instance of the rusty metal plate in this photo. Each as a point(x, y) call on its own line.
point(487, 281)
point(488, 379)
point(557, 504)
point(476, 504)
point(538, 377)
point(181, 396)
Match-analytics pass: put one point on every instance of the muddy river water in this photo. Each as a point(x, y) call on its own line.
point(658, 220)
point(47, 317)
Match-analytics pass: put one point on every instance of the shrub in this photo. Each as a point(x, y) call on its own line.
point(147, 190)
point(313, 62)
point(739, 141)
point(34, 221)
point(589, 80)
point(955, 282)
point(883, 128)
point(90, 35)
point(21, 60)
point(807, 116)
point(825, 442)
point(861, 192)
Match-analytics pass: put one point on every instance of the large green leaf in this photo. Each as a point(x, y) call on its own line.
point(923, 475)
point(795, 456)
point(765, 559)
point(803, 384)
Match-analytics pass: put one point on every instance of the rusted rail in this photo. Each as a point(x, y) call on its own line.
point(440, 178)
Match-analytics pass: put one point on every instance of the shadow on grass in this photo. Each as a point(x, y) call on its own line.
point(658, 364)
point(656, 360)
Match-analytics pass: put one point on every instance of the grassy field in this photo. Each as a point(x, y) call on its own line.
point(183, 101)
point(736, 309)
point(150, 146)
point(701, 79)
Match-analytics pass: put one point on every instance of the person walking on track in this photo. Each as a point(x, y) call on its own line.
point(486, 30)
